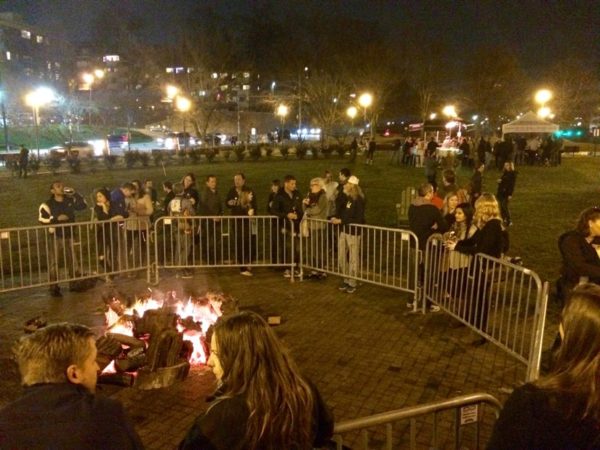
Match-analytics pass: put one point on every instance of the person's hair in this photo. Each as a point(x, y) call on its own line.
point(275, 182)
point(486, 209)
point(288, 178)
point(583, 225)
point(258, 367)
point(574, 383)
point(137, 183)
point(104, 191)
point(479, 164)
point(510, 166)
point(424, 189)
point(44, 356)
point(178, 188)
point(168, 184)
point(346, 172)
point(128, 185)
point(320, 181)
point(463, 195)
point(446, 208)
point(449, 176)
point(245, 199)
point(353, 191)
point(192, 177)
point(240, 174)
point(468, 210)
point(208, 177)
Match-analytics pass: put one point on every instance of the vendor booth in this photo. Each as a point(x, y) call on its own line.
point(529, 123)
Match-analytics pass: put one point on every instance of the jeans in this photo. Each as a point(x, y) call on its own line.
point(348, 248)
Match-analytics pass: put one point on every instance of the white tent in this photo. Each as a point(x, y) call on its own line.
point(529, 123)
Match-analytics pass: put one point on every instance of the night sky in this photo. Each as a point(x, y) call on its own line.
point(540, 32)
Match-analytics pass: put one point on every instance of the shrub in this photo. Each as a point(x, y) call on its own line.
point(327, 150)
point(225, 153)
point(240, 152)
point(194, 155)
point(110, 161)
point(284, 150)
point(34, 164)
point(314, 151)
point(131, 157)
point(210, 154)
point(339, 149)
point(254, 152)
point(269, 151)
point(53, 163)
point(181, 156)
point(93, 164)
point(144, 159)
point(74, 163)
point(158, 157)
point(301, 151)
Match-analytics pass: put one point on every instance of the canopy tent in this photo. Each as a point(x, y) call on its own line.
point(529, 123)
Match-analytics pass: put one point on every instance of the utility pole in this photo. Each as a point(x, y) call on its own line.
point(300, 106)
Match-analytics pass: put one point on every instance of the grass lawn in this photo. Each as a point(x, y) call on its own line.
point(547, 201)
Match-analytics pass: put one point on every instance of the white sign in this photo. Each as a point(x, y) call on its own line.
point(468, 414)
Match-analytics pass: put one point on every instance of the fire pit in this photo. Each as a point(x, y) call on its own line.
point(152, 343)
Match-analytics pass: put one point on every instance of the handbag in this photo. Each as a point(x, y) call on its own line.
point(304, 230)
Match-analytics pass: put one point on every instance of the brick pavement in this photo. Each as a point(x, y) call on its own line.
point(364, 350)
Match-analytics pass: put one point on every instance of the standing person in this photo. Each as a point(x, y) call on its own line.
point(169, 194)
point(182, 230)
point(371, 151)
point(397, 154)
point(120, 199)
point(210, 228)
point(353, 149)
point(340, 196)
point(59, 407)
point(107, 232)
point(60, 209)
point(275, 234)
point(562, 409)
point(189, 189)
point(476, 182)
point(315, 207)
point(489, 239)
point(432, 146)
point(506, 187)
point(233, 201)
point(448, 183)
point(484, 147)
point(137, 225)
point(23, 161)
point(431, 166)
point(288, 207)
point(330, 188)
point(263, 402)
point(424, 217)
point(350, 215)
point(451, 201)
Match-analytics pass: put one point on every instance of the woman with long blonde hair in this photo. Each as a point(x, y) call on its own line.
point(562, 409)
point(263, 402)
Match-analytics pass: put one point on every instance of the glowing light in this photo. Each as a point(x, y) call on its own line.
point(351, 112)
point(543, 96)
point(365, 100)
point(183, 104)
point(282, 110)
point(172, 91)
point(432, 116)
point(544, 112)
point(450, 111)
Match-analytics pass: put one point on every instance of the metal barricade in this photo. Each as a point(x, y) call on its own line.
point(377, 255)
point(186, 242)
point(468, 410)
point(503, 302)
point(46, 255)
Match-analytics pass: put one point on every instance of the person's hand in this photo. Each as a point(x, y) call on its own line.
point(336, 221)
point(63, 218)
point(434, 226)
point(450, 245)
point(292, 216)
point(251, 212)
point(232, 202)
point(306, 201)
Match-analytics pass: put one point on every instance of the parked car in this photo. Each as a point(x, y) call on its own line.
point(177, 141)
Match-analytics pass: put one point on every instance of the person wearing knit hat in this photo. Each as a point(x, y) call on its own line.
point(351, 214)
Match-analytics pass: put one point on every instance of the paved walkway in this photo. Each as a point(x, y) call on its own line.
point(365, 352)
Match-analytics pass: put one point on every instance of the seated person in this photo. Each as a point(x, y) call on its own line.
point(262, 401)
point(59, 408)
point(562, 409)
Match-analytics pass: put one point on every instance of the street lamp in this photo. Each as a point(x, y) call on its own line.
point(365, 100)
point(282, 112)
point(89, 79)
point(543, 96)
point(40, 97)
point(450, 111)
point(544, 112)
point(183, 105)
point(351, 112)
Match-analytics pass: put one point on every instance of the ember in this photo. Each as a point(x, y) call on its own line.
point(157, 339)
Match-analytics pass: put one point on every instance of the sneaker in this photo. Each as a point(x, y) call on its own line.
point(343, 287)
point(434, 308)
point(350, 289)
point(287, 274)
point(246, 273)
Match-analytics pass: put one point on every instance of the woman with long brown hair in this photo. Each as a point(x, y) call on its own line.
point(562, 409)
point(263, 402)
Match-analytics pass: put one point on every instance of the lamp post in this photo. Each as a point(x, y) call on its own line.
point(351, 112)
point(282, 112)
point(542, 97)
point(40, 97)
point(172, 92)
point(365, 100)
point(183, 105)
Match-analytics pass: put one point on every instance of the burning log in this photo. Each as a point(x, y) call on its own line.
point(155, 320)
point(130, 363)
point(119, 379)
point(129, 341)
point(164, 349)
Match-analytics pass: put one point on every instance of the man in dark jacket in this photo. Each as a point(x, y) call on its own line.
point(210, 229)
point(477, 182)
point(59, 408)
point(60, 209)
point(424, 218)
point(506, 187)
point(287, 205)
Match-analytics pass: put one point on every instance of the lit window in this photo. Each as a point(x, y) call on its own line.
point(111, 58)
point(215, 75)
point(224, 87)
point(190, 69)
point(8, 56)
point(202, 93)
point(25, 34)
point(246, 74)
point(178, 69)
point(39, 39)
point(169, 70)
point(246, 87)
